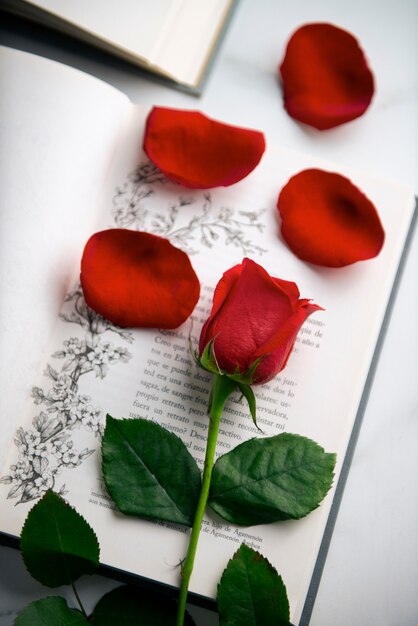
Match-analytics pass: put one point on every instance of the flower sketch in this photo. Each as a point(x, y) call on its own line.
point(46, 449)
point(207, 224)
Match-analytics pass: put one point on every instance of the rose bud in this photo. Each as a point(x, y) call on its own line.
point(253, 324)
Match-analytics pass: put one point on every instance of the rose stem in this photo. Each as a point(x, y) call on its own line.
point(222, 387)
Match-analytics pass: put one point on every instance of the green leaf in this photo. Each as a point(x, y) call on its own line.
point(57, 543)
point(251, 592)
point(271, 479)
point(52, 611)
point(247, 391)
point(128, 606)
point(149, 472)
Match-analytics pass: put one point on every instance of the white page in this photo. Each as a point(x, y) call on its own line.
point(174, 36)
point(189, 37)
point(317, 395)
point(58, 128)
point(130, 24)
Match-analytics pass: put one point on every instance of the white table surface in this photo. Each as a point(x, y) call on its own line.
point(371, 573)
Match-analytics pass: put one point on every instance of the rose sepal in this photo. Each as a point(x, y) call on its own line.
point(208, 359)
point(249, 395)
point(209, 362)
point(242, 380)
point(247, 377)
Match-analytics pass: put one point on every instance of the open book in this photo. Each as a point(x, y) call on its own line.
point(174, 39)
point(71, 164)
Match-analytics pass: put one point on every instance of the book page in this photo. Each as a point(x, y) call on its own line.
point(58, 130)
point(131, 24)
point(172, 36)
point(93, 368)
point(188, 40)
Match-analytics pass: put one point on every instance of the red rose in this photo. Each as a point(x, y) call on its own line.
point(137, 279)
point(326, 77)
point(199, 152)
point(254, 322)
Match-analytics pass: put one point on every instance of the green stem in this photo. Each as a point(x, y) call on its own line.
point(222, 387)
point(78, 600)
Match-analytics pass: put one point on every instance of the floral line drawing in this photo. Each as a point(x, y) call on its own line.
point(47, 448)
point(207, 226)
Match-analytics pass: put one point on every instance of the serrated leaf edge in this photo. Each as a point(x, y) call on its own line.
point(77, 612)
point(258, 556)
point(328, 456)
point(74, 510)
point(109, 419)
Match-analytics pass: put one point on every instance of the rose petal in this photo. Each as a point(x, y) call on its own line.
point(326, 78)
point(327, 220)
point(199, 152)
point(279, 348)
point(222, 290)
point(290, 288)
point(137, 279)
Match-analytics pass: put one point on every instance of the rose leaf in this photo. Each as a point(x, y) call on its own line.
point(52, 611)
point(132, 607)
point(271, 479)
point(149, 472)
point(57, 543)
point(251, 592)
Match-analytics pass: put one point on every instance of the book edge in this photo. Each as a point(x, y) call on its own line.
point(349, 455)
point(53, 22)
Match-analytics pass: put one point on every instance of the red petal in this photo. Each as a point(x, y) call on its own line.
point(137, 279)
point(290, 288)
point(328, 221)
point(326, 78)
point(222, 290)
point(198, 152)
point(279, 348)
